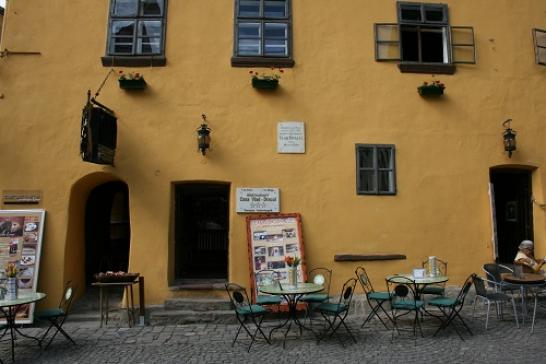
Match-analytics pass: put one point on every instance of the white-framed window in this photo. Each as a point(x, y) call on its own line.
point(136, 28)
point(375, 169)
point(423, 40)
point(262, 33)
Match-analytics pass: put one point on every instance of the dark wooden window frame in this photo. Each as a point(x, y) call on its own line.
point(136, 60)
point(375, 168)
point(424, 67)
point(262, 61)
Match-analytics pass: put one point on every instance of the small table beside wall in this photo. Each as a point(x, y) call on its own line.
point(104, 300)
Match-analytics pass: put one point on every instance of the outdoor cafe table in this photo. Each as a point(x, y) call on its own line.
point(420, 282)
point(10, 308)
point(292, 295)
point(527, 283)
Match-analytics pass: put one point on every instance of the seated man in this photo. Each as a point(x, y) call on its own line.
point(526, 258)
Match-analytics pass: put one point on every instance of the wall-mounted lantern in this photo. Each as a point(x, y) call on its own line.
point(509, 138)
point(203, 136)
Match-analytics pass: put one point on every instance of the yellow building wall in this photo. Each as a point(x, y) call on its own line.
point(444, 147)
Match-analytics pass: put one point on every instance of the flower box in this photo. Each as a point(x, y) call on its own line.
point(435, 88)
point(265, 84)
point(137, 84)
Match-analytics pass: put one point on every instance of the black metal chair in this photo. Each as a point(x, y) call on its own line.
point(321, 276)
point(435, 289)
point(57, 316)
point(450, 308)
point(493, 296)
point(403, 299)
point(245, 311)
point(375, 299)
point(493, 273)
point(266, 277)
point(335, 313)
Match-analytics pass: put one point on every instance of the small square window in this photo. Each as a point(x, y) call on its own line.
point(375, 169)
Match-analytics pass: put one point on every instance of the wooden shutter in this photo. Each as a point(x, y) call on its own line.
point(387, 42)
point(463, 46)
point(539, 40)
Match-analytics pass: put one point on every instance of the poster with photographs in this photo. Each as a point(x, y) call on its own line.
point(20, 242)
point(272, 238)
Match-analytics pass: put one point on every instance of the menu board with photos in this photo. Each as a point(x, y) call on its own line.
point(20, 242)
point(271, 238)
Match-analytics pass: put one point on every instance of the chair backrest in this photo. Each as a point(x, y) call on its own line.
point(492, 272)
point(479, 286)
point(441, 266)
point(266, 277)
point(347, 293)
point(402, 289)
point(465, 288)
point(317, 275)
point(237, 296)
point(68, 296)
point(364, 280)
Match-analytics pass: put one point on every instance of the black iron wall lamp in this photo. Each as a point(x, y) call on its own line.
point(203, 136)
point(509, 138)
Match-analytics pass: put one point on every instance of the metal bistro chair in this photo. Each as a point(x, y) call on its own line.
point(375, 299)
point(491, 296)
point(335, 313)
point(493, 273)
point(266, 277)
point(403, 298)
point(322, 276)
point(435, 289)
point(450, 308)
point(245, 311)
point(57, 316)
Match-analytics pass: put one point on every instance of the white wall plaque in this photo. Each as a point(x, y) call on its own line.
point(258, 200)
point(291, 137)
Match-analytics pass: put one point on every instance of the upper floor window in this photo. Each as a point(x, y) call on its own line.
point(375, 169)
point(136, 33)
point(262, 33)
point(423, 40)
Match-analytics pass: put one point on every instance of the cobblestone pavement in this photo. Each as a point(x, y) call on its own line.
point(211, 343)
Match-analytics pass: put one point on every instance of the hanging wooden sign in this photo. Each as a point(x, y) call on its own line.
point(98, 134)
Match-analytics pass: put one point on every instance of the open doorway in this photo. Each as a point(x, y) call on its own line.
point(201, 231)
point(107, 229)
point(513, 210)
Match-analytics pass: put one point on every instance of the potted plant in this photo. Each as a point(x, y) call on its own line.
point(131, 81)
point(434, 88)
point(266, 81)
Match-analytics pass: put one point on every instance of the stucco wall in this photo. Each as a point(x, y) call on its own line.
point(444, 148)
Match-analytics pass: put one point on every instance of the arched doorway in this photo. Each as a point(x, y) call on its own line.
point(107, 229)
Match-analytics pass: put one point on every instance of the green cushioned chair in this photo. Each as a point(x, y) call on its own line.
point(335, 313)
point(404, 300)
point(246, 313)
point(57, 316)
point(450, 308)
point(322, 276)
point(375, 299)
point(435, 289)
point(266, 277)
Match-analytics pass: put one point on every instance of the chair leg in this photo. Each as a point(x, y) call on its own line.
point(516, 313)
point(474, 306)
point(487, 316)
point(534, 314)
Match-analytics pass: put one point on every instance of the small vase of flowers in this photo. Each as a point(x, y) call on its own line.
point(292, 264)
point(11, 287)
